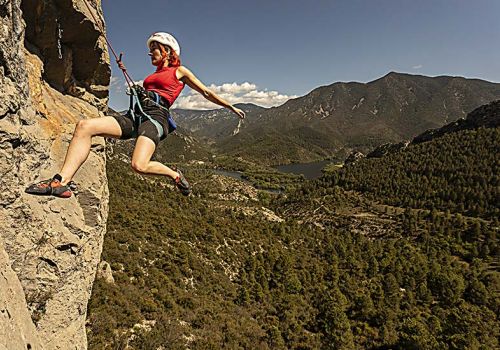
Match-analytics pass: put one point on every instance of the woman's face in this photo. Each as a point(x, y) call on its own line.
point(155, 53)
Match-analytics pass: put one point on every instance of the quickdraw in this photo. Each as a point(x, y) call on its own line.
point(59, 37)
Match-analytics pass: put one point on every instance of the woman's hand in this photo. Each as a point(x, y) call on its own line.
point(238, 112)
point(121, 65)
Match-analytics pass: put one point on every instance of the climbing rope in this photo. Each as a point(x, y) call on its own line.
point(130, 81)
point(135, 109)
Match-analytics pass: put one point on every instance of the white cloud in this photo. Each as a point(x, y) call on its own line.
point(113, 81)
point(233, 88)
point(233, 93)
point(116, 84)
point(418, 66)
point(119, 85)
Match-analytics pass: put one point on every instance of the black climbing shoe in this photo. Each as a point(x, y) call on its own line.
point(52, 187)
point(182, 184)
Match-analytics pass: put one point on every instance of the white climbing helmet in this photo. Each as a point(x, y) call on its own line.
point(165, 39)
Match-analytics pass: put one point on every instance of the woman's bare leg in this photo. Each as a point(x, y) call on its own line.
point(79, 147)
point(141, 159)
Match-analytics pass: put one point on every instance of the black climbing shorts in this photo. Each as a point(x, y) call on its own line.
point(146, 127)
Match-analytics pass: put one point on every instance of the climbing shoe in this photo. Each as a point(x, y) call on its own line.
point(182, 184)
point(52, 187)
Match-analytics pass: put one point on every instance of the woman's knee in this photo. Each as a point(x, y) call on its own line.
point(98, 126)
point(139, 167)
point(84, 128)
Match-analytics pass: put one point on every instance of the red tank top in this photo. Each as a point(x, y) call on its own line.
point(164, 83)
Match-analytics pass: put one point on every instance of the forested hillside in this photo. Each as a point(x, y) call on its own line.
point(382, 254)
point(457, 172)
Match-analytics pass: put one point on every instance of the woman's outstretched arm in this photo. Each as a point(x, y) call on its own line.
point(186, 76)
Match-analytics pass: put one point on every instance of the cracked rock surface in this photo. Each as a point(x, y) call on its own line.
point(49, 247)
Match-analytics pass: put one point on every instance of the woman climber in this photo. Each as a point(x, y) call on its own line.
point(150, 125)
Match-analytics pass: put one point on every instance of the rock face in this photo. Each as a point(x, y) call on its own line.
point(49, 247)
point(63, 34)
point(16, 329)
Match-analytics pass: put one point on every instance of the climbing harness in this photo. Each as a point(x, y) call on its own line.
point(59, 37)
point(156, 99)
point(137, 93)
point(136, 113)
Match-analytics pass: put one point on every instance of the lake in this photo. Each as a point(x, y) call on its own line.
point(309, 170)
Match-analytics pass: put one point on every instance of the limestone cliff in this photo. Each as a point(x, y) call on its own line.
point(49, 247)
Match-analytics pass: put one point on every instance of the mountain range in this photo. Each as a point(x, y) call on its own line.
point(332, 121)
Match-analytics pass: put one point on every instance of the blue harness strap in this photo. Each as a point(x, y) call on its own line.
point(171, 123)
point(137, 118)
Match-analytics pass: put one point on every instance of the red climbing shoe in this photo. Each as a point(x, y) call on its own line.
point(52, 187)
point(182, 184)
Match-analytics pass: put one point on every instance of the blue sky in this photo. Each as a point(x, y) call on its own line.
point(267, 51)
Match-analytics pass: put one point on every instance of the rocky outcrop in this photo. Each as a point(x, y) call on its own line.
point(49, 247)
point(105, 272)
point(387, 148)
point(354, 157)
point(487, 116)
